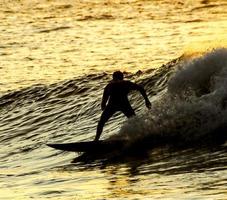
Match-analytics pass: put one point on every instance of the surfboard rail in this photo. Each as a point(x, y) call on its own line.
point(89, 146)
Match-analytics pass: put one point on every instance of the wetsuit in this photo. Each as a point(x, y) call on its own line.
point(116, 93)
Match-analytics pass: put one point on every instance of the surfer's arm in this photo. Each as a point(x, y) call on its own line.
point(144, 94)
point(105, 98)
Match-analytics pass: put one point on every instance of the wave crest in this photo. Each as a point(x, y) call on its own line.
point(192, 109)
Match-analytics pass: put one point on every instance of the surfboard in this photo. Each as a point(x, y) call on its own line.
point(89, 146)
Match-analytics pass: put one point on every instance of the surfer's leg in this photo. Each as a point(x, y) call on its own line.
point(128, 111)
point(107, 113)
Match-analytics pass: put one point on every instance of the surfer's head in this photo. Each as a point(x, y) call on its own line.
point(118, 75)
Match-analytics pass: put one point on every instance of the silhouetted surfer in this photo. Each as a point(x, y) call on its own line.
point(116, 93)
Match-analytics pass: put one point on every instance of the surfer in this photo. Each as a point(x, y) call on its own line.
point(116, 93)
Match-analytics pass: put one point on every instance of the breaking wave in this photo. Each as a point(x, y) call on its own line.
point(192, 107)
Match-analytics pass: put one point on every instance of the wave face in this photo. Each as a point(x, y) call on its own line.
point(188, 106)
point(188, 99)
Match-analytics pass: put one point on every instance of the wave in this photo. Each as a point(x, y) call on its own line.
point(208, 6)
point(188, 106)
point(99, 17)
point(192, 107)
point(54, 29)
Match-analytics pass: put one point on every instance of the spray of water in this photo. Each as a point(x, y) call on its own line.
point(193, 105)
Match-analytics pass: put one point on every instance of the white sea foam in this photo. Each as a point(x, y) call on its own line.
point(193, 105)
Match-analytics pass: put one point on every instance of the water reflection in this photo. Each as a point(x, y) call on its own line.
point(165, 160)
point(159, 173)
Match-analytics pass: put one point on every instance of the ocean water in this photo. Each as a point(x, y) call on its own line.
point(56, 58)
